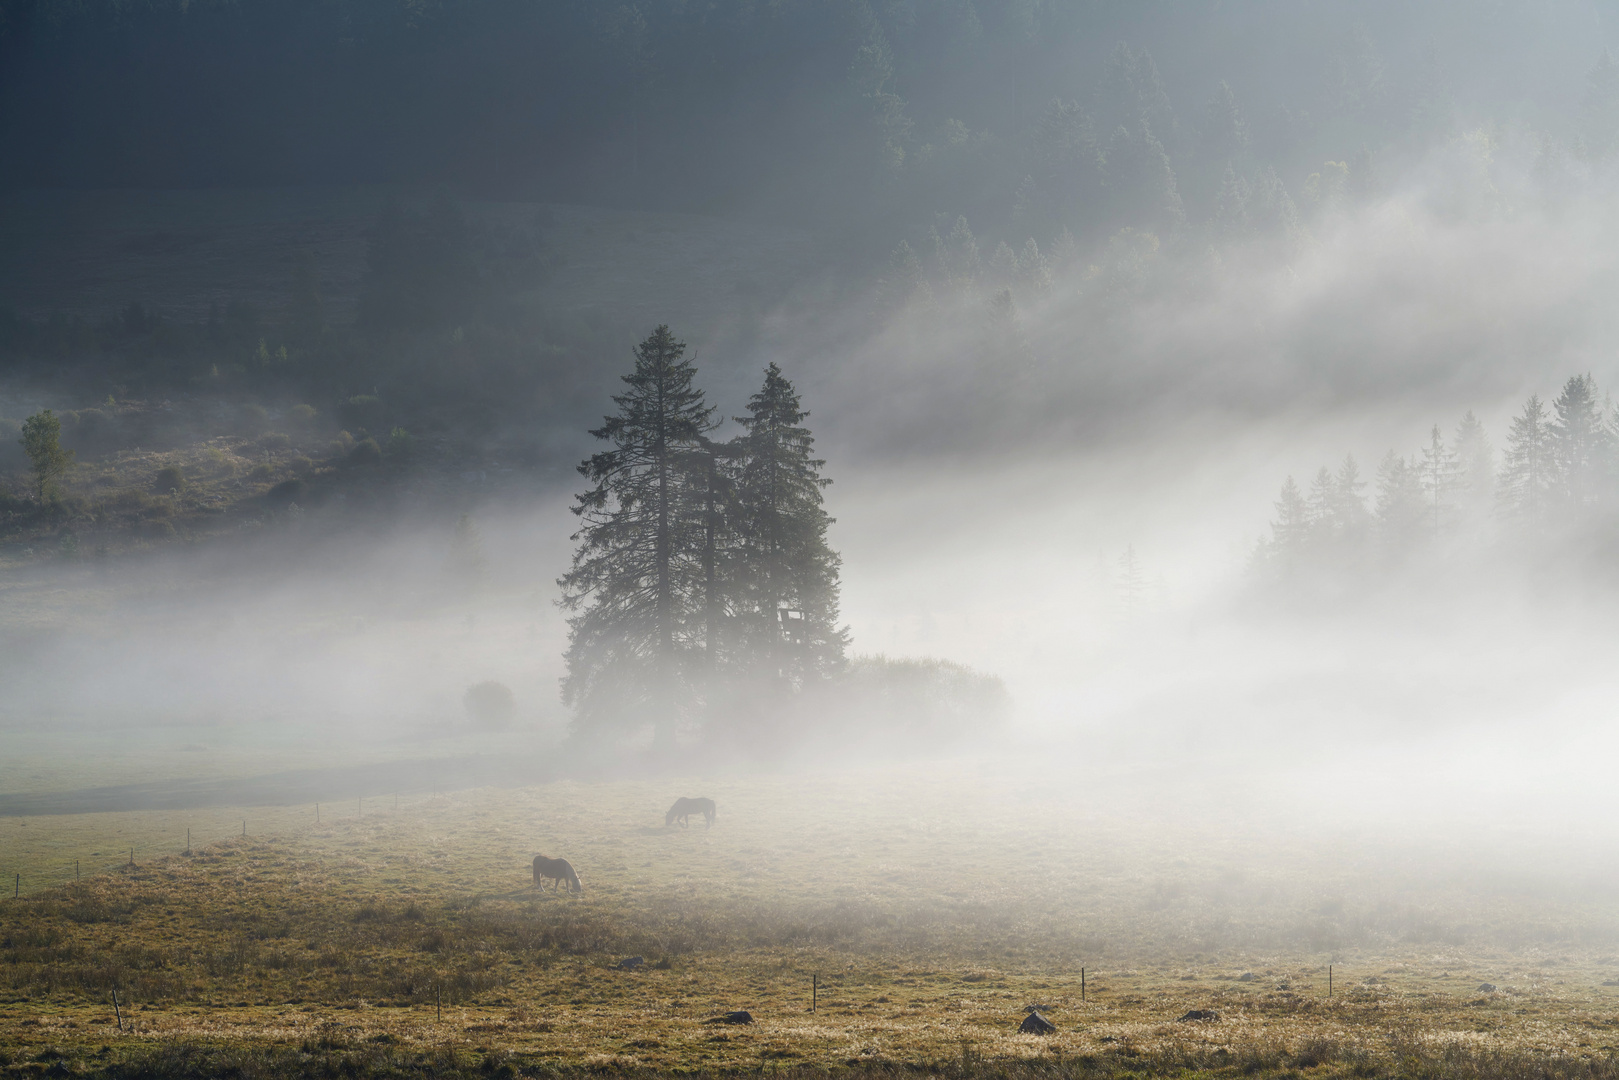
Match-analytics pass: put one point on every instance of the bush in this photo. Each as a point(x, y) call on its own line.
point(302, 416)
point(365, 452)
point(255, 418)
point(341, 445)
point(286, 493)
point(169, 478)
point(262, 471)
point(274, 441)
point(490, 705)
point(401, 445)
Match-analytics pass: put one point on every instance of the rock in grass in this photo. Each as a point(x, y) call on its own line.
point(1201, 1014)
point(738, 1017)
point(630, 963)
point(1486, 988)
point(1035, 1024)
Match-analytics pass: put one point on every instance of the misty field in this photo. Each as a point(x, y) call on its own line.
point(933, 906)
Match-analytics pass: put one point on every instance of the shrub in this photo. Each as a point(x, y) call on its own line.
point(490, 705)
point(169, 478)
point(365, 452)
point(255, 418)
point(262, 471)
point(302, 415)
point(286, 493)
point(274, 440)
point(401, 445)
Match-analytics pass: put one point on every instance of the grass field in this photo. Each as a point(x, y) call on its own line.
point(934, 905)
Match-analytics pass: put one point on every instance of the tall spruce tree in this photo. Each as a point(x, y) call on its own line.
point(1290, 532)
point(1439, 478)
point(1401, 506)
point(1580, 443)
point(1528, 468)
point(788, 576)
point(635, 590)
point(1475, 459)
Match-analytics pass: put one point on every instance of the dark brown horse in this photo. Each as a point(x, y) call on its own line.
point(684, 808)
point(557, 870)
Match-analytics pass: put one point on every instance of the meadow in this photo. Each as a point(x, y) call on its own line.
point(930, 906)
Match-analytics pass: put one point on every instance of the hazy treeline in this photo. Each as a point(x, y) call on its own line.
point(1556, 478)
point(436, 340)
point(1021, 114)
point(977, 160)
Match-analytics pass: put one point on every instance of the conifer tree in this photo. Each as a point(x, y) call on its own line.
point(635, 589)
point(1290, 531)
point(1320, 504)
point(1475, 465)
point(1131, 583)
point(1401, 508)
point(1528, 468)
point(1231, 206)
point(788, 578)
point(1439, 469)
point(1224, 133)
point(1580, 442)
point(1349, 504)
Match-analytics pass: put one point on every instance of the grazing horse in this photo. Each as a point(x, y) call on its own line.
point(686, 807)
point(558, 870)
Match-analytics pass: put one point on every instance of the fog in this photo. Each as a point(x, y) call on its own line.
point(992, 466)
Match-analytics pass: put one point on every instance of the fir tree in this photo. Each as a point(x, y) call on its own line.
point(1141, 182)
point(1034, 272)
point(1231, 206)
point(1439, 477)
point(635, 589)
point(1319, 505)
point(1224, 133)
point(1580, 442)
point(1132, 94)
point(1401, 508)
point(1290, 532)
point(1528, 469)
point(788, 575)
point(1348, 502)
point(1131, 583)
point(1475, 463)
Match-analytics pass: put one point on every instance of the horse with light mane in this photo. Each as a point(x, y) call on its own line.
point(683, 808)
point(558, 870)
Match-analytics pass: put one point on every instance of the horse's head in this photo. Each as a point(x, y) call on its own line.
point(669, 818)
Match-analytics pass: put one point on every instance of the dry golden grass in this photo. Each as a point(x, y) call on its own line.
point(930, 908)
